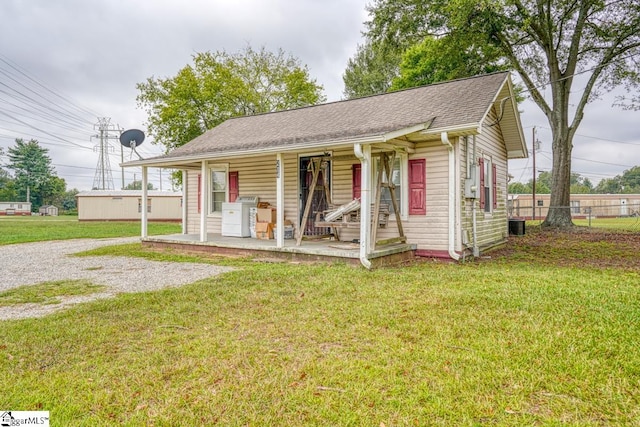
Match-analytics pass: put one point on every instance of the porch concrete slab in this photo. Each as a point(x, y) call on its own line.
point(317, 249)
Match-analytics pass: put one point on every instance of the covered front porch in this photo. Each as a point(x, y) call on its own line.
point(319, 250)
point(362, 241)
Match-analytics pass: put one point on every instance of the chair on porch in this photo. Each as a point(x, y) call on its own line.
point(348, 215)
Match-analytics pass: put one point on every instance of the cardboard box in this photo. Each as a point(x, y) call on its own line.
point(264, 230)
point(266, 215)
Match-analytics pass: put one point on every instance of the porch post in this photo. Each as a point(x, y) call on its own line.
point(204, 200)
point(143, 203)
point(185, 185)
point(280, 200)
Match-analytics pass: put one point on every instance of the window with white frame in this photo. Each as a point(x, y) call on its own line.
point(487, 186)
point(140, 205)
point(575, 206)
point(219, 186)
point(397, 172)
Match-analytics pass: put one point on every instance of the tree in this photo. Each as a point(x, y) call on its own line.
point(548, 43)
point(609, 186)
point(54, 192)
point(579, 184)
point(7, 187)
point(69, 200)
point(371, 71)
point(445, 58)
point(627, 183)
point(137, 185)
point(519, 188)
point(7, 184)
point(34, 177)
point(219, 86)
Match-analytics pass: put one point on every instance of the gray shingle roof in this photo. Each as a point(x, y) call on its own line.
point(453, 103)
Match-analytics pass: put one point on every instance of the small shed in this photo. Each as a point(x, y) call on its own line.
point(48, 210)
point(126, 205)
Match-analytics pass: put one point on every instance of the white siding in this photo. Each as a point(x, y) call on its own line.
point(430, 231)
point(114, 208)
point(257, 176)
point(492, 228)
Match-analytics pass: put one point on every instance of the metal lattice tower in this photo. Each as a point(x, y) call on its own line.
point(103, 180)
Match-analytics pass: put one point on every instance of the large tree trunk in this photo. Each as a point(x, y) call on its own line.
point(559, 209)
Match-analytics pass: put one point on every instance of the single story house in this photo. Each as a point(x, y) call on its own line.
point(48, 210)
point(582, 205)
point(126, 205)
point(15, 208)
point(436, 156)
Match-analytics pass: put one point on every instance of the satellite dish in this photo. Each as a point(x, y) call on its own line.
point(132, 138)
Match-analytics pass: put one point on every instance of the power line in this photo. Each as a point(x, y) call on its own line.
point(594, 137)
point(40, 130)
point(24, 73)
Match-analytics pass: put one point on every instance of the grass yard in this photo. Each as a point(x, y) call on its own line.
point(41, 228)
point(620, 224)
point(47, 292)
point(544, 332)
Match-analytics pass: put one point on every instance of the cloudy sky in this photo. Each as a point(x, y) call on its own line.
point(65, 63)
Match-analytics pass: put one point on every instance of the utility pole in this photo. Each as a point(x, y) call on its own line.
point(103, 180)
point(533, 150)
point(534, 146)
point(121, 168)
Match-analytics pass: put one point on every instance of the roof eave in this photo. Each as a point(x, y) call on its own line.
point(369, 139)
point(457, 130)
point(520, 152)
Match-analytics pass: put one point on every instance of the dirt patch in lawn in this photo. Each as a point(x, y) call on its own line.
point(578, 247)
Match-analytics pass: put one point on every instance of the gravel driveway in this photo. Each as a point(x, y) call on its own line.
point(31, 263)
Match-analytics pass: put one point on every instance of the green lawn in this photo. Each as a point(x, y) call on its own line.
point(38, 228)
point(620, 224)
point(539, 334)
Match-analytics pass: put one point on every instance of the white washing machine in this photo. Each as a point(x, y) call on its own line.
point(235, 216)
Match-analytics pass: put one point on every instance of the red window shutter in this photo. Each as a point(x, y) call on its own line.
point(234, 187)
point(481, 166)
point(494, 185)
point(356, 180)
point(199, 191)
point(417, 187)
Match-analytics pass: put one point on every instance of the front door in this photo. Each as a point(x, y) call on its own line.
point(624, 210)
point(319, 200)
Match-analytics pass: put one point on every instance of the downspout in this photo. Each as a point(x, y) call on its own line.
point(444, 137)
point(365, 202)
point(476, 251)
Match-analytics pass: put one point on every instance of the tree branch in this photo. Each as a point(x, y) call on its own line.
point(533, 90)
point(576, 38)
point(606, 60)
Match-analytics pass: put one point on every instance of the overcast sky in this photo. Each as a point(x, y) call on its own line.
point(92, 54)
